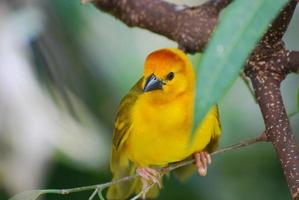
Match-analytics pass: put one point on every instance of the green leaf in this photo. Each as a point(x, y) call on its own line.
point(298, 100)
point(32, 194)
point(241, 26)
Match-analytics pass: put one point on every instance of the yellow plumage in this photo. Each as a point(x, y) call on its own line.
point(153, 125)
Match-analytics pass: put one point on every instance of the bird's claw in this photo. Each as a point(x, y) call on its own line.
point(149, 174)
point(203, 159)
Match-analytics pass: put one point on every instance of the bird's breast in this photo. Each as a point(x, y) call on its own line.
point(160, 132)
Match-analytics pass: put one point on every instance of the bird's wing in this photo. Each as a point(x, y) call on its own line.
point(123, 122)
point(184, 173)
point(214, 142)
point(119, 163)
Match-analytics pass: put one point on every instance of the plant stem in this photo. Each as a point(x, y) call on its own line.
point(247, 83)
point(164, 170)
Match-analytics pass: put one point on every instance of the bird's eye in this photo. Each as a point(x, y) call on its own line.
point(170, 76)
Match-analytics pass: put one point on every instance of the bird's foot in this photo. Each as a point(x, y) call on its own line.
point(148, 174)
point(202, 160)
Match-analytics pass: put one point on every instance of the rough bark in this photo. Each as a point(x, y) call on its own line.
point(267, 67)
point(190, 27)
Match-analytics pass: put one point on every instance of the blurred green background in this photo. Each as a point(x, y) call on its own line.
point(64, 67)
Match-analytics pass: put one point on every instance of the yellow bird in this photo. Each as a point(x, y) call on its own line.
point(154, 124)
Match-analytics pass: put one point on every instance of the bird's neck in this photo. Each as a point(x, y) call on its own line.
point(175, 114)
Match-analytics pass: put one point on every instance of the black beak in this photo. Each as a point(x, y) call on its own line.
point(152, 83)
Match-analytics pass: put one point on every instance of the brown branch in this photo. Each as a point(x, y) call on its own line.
point(279, 25)
point(267, 67)
point(278, 128)
point(190, 27)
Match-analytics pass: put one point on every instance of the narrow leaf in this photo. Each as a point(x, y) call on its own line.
point(241, 26)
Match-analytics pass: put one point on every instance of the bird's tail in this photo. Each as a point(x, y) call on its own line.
point(122, 190)
point(126, 189)
point(122, 167)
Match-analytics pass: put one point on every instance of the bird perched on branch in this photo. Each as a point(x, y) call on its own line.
point(154, 123)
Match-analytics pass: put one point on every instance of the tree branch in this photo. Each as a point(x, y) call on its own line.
point(278, 129)
point(267, 67)
point(279, 26)
point(190, 27)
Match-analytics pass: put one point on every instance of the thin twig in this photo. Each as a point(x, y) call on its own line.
point(93, 194)
point(247, 83)
point(229, 148)
point(174, 166)
point(91, 187)
point(164, 170)
point(101, 195)
point(143, 192)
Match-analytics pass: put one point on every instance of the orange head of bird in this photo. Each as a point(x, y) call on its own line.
point(168, 73)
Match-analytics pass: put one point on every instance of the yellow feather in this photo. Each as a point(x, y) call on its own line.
point(153, 128)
